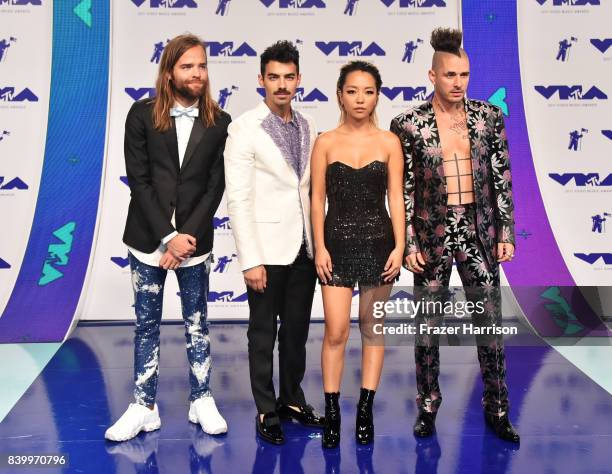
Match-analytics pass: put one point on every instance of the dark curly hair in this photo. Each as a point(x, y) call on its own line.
point(283, 52)
point(353, 66)
point(446, 40)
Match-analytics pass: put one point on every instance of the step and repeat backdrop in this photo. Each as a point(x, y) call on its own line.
point(69, 72)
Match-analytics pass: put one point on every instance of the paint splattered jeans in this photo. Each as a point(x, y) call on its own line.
point(148, 284)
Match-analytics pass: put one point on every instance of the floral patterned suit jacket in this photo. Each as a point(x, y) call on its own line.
point(425, 189)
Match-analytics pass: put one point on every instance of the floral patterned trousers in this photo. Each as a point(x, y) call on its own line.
point(481, 284)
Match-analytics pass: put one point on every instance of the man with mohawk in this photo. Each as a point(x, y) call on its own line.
point(458, 196)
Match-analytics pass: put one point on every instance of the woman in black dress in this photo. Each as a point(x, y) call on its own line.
point(356, 166)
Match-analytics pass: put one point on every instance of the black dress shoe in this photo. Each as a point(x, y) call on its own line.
point(270, 429)
point(331, 433)
point(425, 424)
point(364, 424)
point(502, 427)
point(306, 416)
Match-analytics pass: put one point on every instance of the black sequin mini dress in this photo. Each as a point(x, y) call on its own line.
point(358, 231)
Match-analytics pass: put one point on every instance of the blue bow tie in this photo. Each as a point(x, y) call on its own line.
point(187, 112)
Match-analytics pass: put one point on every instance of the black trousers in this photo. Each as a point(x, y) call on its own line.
point(288, 296)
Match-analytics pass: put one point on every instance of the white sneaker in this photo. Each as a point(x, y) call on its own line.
point(204, 411)
point(136, 418)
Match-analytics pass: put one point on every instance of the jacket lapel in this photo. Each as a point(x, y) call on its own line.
point(431, 140)
point(197, 133)
point(475, 139)
point(304, 143)
point(275, 133)
point(172, 144)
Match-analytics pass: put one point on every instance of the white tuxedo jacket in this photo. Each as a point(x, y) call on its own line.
point(268, 204)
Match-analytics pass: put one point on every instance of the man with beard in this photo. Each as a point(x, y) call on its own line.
point(174, 160)
point(267, 171)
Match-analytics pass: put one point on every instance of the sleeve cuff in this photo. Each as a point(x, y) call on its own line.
point(169, 237)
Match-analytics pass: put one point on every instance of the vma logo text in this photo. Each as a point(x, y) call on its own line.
point(415, 3)
point(21, 3)
point(581, 179)
point(166, 3)
point(12, 184)
point(301, 96)
point(137, 93)
point(571, 93)
point(602, 44)
point(294, 3)
point(120, 261)
point(226, 48)
point(58, 254)
point(8, 94)
point(405, 93)
point(350, 48)
point(592, 258)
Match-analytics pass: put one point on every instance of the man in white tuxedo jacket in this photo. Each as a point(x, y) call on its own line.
point(267, 172)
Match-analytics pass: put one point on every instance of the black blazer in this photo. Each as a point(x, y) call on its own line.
point(158, 187)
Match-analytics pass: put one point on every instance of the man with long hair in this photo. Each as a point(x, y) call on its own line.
point(267, 170)
point(174, 160)
point(458, 197)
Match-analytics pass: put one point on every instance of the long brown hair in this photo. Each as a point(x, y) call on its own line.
point(164, 89)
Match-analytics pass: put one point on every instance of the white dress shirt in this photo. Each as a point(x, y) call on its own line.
point(184, 124)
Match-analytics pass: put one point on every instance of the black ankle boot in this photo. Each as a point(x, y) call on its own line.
point(364, 425)
point(331, 432)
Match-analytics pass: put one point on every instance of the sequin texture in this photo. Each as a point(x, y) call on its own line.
point(358, 231)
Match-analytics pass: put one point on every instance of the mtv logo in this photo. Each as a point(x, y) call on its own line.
point(221, 223)
point(602, 44)
point(581, 179)
point(220, 297)
point(15, 183)
point(240, 298)
point(4, 264)
point(571, 92)
point(7, 94)
point(120, 261)
point(140, 92)
point(407, 93)
point(592, 258)
point(416, 3)
point(226, 48)
point(167, 3)
point(350, 48)
point(313, 96)
point(295, 3)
